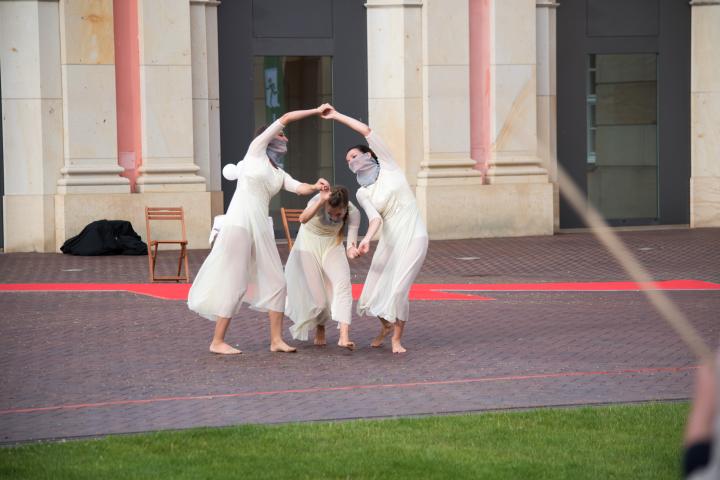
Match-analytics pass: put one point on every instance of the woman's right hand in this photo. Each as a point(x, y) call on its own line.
point(325, 195)
point(352, 252)
point(327, 111)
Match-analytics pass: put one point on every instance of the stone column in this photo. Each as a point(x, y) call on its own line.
point(547, 96)
point(166, 93)
point(517, 199)
point(448, 184)
point(32, 112)
point(88, 85)
point(705, 105)
point(395, 106)
point(514, 156)
point(206, 95)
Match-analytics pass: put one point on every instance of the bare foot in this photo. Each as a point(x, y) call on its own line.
point(320, 336)
point(384, 331)
point(396, 347)
point(281, 346)
point(223, 348)
point(345, 343)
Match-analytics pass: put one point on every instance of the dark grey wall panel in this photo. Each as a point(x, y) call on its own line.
point(349, 81)
point(2, 181)
point(674, 112)
point(311, 47)
point(622, 18)
point(293, 18)
point(236, 85)
point(587, 27)
point(248, 28)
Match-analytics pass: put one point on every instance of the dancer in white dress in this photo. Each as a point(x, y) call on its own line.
point(389, 203)
point(244, 265)
point(317, 270)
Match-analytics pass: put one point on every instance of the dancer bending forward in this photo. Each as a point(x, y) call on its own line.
point(244, 264)
point(390, 205)
point(317, 270)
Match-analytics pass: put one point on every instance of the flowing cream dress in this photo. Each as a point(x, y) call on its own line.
point(244, 265)
point(318, 274)
point(403, 242)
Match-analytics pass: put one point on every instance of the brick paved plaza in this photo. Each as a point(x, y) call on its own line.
point(86, 363)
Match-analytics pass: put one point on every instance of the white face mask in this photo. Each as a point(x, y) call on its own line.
point(365, 168)
point(276, 150)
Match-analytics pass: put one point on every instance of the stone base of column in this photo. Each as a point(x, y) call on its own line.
point(516, 169)
point(93, 179)
point(181, 177)
point(465, 208)
point(704, 202)
point(74, 211)
point(29, 223)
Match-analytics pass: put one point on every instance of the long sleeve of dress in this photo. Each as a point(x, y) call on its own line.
point(289, 183)
point(259, 144)
point(353, 224)
point(367, 205)
point(377, 144)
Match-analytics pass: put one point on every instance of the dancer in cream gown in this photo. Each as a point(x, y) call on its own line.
point(244, 265)
point(390, 205)
point(317, 270)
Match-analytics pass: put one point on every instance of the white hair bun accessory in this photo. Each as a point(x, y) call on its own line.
point(230, 171)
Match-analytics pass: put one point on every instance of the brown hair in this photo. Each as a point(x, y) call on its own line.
point(364, 149)
point(339, 197)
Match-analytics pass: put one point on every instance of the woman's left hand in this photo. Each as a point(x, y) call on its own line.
point(363, 248)
point(322, 184)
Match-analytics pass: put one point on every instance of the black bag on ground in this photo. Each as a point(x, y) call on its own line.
point(106, 237)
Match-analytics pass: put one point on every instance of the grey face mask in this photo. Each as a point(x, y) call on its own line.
point(365, 168)
point(328, 220)
point(276, 151)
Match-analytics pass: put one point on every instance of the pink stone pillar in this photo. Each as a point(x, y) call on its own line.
point(480, 95)
point(127, 87)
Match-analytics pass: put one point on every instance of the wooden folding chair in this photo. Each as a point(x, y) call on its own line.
point(166, 213)
point(290, 215)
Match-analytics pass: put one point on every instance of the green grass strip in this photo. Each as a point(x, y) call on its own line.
point(623, 442)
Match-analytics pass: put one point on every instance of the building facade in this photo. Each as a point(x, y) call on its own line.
point(110, 106)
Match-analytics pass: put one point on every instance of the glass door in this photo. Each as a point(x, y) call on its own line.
point(622, 136)
point(284, 83)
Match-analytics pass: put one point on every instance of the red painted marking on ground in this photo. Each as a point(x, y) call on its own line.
point(539, 376)
point(667, 285)
point(162, 291)
point(419, 291)
point(180, 291)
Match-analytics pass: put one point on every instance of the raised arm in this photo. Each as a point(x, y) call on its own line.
point(314, 205)
point(260, 143)
point(293, 186)
point(329, 113)
point(296, 115)
point(376, 143)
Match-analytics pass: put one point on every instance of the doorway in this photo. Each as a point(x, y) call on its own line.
point(623, 83)
point(280, 55)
